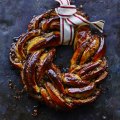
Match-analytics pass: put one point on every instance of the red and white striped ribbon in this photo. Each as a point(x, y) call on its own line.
point(69, 18)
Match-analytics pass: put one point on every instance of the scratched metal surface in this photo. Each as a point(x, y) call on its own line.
point(14, 18)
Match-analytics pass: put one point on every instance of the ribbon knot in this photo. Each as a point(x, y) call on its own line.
point(65, 11)
point(69, 18)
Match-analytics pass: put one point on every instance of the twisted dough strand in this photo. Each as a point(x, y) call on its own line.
point(33, 55)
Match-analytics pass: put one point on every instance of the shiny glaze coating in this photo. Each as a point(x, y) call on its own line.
point(33, 54)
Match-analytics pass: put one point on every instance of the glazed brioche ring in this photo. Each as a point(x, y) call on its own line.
point(33, 54)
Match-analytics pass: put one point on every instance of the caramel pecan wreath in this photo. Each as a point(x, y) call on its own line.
point(33, 55)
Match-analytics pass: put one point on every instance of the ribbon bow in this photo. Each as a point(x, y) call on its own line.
point(69, 18)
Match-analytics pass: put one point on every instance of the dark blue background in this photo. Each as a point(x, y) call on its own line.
point(14, 18)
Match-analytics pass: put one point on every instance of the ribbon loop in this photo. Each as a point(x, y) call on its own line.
point(66, 11)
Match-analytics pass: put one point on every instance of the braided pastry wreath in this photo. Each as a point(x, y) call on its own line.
point(33, 55)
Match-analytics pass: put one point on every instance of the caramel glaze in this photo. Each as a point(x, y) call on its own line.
point(49, 41)
point(33, 54)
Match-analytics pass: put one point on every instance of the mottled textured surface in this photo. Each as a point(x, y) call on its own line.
point(14, 18)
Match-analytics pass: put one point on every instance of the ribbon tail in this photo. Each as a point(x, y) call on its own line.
point(98, 25)
point(79, 20)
